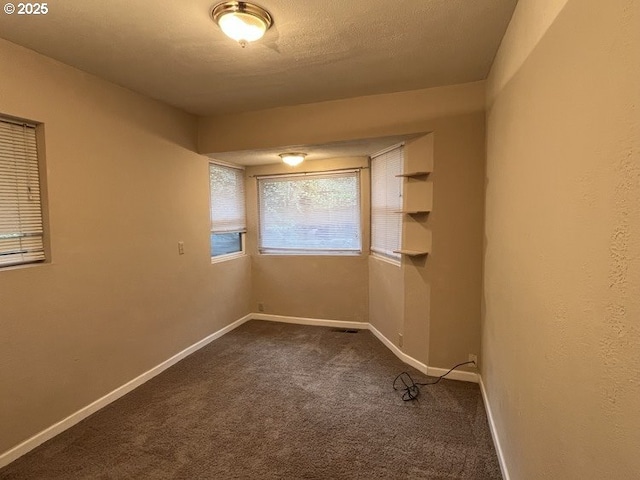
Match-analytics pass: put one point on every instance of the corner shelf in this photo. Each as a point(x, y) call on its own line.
point(413, 212)
point(412, 253)
point(415, 204)
point(414, 174)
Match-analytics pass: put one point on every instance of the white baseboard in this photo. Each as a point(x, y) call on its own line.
point(409, 360)
point(418, 365)
point(310, 321)
point(461, 375)
point(494, 432)
point(50, 432)
point(399, 353)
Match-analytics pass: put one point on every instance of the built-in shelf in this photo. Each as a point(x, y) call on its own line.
point(413, 212)
point(412, 253)
point(413, 174)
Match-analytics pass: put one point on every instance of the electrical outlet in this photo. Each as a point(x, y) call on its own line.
point(181, 248)
point(473, 358)
point(400, 339)
point(261, 307)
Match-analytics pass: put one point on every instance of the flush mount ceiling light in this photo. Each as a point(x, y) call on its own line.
point(242, 21)
point(293, 158)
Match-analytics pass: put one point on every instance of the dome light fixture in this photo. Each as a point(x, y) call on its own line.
point(293, 158)
point(242, 21)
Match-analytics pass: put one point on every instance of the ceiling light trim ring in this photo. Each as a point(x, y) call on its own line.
point(257, 11)
point(242, 7)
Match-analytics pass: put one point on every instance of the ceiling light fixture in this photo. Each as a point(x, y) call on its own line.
point(242, 21)
point(293, 158)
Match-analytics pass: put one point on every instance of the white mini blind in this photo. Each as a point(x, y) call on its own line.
point(311, 213)
point(21, 231)
point(386, 201)
point(227, 199)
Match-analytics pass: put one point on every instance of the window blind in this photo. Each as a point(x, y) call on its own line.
point(310, 214)
point(386, 201)
point(21, 232)
point(227, 199)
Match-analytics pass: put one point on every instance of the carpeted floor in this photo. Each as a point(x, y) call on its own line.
point(277, 401)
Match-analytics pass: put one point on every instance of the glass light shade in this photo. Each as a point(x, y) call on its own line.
point(242, 27)
point(293, 159)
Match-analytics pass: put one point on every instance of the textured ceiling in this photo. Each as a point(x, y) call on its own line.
point(317, 50)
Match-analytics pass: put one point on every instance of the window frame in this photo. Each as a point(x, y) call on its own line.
point(395, 259)
point(40, 160)
point(243, 234)
point(312, 252)
point(230, 256)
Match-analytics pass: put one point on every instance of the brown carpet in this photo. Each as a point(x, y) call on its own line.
point(277, 401)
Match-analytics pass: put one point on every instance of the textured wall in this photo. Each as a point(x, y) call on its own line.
point(561, 328)
point(124, 187)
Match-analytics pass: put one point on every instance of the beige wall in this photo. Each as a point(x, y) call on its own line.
point(525, 30)
point(386, 298)
point(561, 327)
point(441, 293)
point(417, 233)
point(124, 187)
point(457, 225)
point(434, 302)
point(316, 286)
point(112, 306)
point(355, 118)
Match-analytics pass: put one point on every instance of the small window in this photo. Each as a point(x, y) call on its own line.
point(310, 214)
point(21, 227)
point(228, 219)
point(386, 202)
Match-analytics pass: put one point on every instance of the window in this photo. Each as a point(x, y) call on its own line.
point(228, 220)
point(310, 214)
point(21, 230)
point(386, 202)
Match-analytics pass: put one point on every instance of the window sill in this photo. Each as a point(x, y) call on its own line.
point(230, 256)
point(314, 254)
point(391, 261)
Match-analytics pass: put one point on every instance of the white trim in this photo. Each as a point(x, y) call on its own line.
point(455, 375)
point(222, 163)
point(18, 122)
point(494, 431)
point(57, 428)
point(409, 360)
point(285, 175)
point(418, 365)
point(309, 253)
point(226, 257)
point(310, 321)
point(386, 150)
